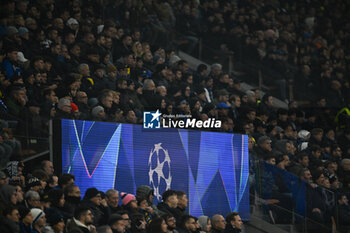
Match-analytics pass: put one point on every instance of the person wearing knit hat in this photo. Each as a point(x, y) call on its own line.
point(98, 113)
point(33, 183)
point(39, 219)
point(129, 202)
point(55, 221)
point(11, 30)
point(93, 199)
point(22, 31)
point(127, 198)
point(90, 193)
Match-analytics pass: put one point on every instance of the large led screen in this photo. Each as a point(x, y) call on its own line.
point(212, 168)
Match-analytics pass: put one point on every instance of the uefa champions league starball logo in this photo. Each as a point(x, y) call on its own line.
point(159, 170)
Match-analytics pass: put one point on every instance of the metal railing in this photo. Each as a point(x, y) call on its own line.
point(282, 198)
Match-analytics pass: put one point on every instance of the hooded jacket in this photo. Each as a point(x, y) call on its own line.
point(145, 191)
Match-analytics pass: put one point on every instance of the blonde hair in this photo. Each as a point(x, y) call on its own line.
point(134, 49)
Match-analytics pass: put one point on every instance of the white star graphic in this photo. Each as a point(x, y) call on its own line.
point(156, 115)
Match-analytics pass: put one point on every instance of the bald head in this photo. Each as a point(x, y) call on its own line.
point(218, 222)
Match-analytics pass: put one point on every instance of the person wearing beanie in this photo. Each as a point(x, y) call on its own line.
point(98, 113)
point(55, 222)
point(93, 200)
point(34, 184)
point(26, 219)
point(39, 219)
point(129, 202)
point(75, 110)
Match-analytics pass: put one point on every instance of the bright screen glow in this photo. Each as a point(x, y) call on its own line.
point(212, 168)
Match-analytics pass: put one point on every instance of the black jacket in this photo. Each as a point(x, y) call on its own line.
point(230, 229)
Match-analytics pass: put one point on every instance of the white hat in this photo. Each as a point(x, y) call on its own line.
point(37, 214)
point(100, 28)
point(303, 134)
point(21, 58)
point(71, 21)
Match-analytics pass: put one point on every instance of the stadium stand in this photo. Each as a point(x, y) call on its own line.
point(110, 60)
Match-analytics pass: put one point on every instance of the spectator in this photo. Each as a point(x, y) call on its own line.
point(126, 219)
point(170, 220)
point(129, 202)
point(32, 199)
point(234, 223)
point(116, 223)
point(65, 180)
point(26, 219)
point(112, 197)
point(205, 223)
point(138, 223)
point(10, 221)
point(181, 204)
point(9, 64)
point(82, 221)
point(302, 161)
point(263, 150)
point(72, 197)
point(47, 167)
point(188, 224)
point(39, 219)
point(343, 210)
point(148, 193)
point(64, 109)
point(169, 203)
point(158, 225)
point(92, 199)
point(218, 223)
point(55, 223)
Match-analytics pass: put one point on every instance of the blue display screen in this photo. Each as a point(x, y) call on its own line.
point(212, 168)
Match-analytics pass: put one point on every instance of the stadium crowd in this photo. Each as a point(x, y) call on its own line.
point(52, 204)
point(112, 60)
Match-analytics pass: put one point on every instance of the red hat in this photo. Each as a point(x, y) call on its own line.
point(74, 107)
